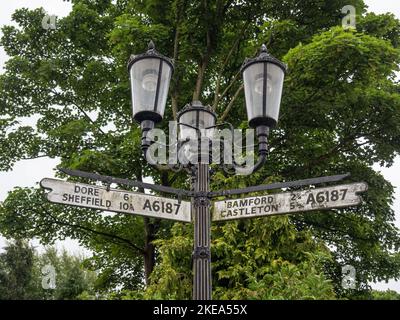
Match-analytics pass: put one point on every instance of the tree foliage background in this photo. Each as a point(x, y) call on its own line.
point(24, 271)
point(340, 113)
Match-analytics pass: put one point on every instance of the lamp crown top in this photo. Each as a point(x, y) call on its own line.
point(263, 56)
point(150, 53)
point(151, 45)
point(264, 48)
point(196, 105)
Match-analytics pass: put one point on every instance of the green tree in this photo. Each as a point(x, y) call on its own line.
point(265, 259)
point(16, 265)
point(22, 270)
point(340, 113)
point(385, 295)
point(72, 279)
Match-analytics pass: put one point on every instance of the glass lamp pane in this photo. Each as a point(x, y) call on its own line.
point(253, 82)
point(274, 90)
point(199, 119)
point(257, 106)
point(144, 75)
point(166, 73)
point(206, 120)
point(188, 118)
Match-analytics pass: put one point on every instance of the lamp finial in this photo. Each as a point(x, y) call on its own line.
point(264, 48)
point(151, 45)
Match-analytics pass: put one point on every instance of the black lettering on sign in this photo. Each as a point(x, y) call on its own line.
point(327, 196)
point(90, 191)
point(147, 205)
point(310, 198)
point(168, 207)
point(320, 197)
point(293, 200)
point(161, 206)
point(126, 206)
point(156, 206)
point(177, 206)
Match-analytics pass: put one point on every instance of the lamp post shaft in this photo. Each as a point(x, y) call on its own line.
point(202, 235)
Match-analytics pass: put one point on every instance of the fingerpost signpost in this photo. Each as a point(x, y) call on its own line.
point(150, 74)
point(96, 197)
point(289, 202)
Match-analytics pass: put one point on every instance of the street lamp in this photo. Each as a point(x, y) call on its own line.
point(196, 124)
point(263, 81)
point(150, 75)
point(194, 120)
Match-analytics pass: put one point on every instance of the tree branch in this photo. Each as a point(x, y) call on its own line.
point(101, 233)
point(90, 120)
point(175, 92)
point(229, 107)
point(203, 66)
point(334, 230)
point(200, 77)
point(82, 111)
point(217, 98)
point(226, 90)
point(33, 158)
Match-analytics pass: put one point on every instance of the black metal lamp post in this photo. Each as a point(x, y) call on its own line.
point(198, 122)
point(150, 75)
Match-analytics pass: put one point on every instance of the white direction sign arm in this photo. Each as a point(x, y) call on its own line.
point(97, 197)
point(290, 202)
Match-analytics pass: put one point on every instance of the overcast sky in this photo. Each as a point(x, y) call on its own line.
point(29, 173)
